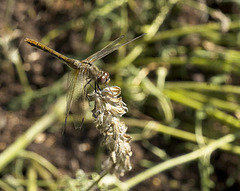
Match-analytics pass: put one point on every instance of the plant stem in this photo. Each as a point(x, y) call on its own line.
point(24, 140)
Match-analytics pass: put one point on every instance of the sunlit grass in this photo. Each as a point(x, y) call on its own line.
point(163, 98)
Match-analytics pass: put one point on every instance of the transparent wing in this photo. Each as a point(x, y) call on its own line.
point(96, 55)
point(109, 49)
point(75, 89)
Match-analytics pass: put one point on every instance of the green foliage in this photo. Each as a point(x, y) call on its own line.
point(180, 82)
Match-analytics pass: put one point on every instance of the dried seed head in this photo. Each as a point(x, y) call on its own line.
point(108, 108)
point(112, 91)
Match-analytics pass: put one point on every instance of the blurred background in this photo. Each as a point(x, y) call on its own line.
point(180, 83)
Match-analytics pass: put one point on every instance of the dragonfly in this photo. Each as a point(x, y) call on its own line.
point(83, 71)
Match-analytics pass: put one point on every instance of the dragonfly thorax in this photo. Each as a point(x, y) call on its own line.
point(95, 74)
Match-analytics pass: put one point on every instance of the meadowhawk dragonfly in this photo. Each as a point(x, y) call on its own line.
point(83, 71)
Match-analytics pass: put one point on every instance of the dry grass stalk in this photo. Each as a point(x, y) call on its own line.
point(108, 108)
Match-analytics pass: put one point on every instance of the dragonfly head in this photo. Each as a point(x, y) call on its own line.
point(104, 78)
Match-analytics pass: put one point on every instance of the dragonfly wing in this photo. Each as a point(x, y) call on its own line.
point(75, 88)
point(94, 57)
point(109, 49)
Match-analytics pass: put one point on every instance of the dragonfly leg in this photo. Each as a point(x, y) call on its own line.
point(87, 83)
point(97, 87)
point(85, 92)
point(85, 86)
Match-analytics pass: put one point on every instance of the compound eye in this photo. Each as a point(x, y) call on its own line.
point(105, 78)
